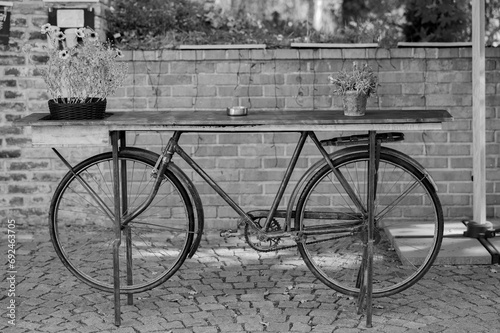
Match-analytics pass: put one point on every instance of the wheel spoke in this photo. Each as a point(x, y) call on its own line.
point(400, 198)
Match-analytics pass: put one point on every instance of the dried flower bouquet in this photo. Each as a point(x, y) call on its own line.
point(80, 68)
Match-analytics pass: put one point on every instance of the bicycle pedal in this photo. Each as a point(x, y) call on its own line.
point(229, 233)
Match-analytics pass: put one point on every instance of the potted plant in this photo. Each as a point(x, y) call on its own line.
point(81, 73)
point(355, 87)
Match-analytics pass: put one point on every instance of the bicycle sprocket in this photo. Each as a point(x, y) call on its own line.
point(252, 239)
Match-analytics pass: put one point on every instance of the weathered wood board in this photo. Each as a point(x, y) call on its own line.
point(48, 132)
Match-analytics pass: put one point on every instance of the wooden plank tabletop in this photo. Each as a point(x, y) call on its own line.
point(254, 118)
point(47, 132)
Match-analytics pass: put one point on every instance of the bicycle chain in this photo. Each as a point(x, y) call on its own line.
point(277, 239)
point(296, 245)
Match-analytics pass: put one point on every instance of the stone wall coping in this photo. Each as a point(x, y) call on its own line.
point(303, 54)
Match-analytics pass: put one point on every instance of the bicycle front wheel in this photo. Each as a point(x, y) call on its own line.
point(406, 203)
point(154, 245)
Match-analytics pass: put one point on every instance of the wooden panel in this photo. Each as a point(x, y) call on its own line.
point(281, 128)
point(69, 136)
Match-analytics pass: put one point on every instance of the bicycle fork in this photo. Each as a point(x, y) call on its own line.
point(158, 171)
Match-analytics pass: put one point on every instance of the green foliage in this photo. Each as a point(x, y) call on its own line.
point(150, 24)
point(363, 81)
point(147, 21)
point(154, 24)
point(374, 21)
point(492, 9)
point(437, 21)
point(152, 17)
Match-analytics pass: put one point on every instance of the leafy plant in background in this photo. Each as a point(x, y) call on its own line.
point(155, 24)
point(374, 21)
point(492, 9)
point(437, 21)
point(149, 22)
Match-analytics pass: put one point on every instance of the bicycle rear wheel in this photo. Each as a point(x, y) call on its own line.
point(83, 233)
point(406, 202)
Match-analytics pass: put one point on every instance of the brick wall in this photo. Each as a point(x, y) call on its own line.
point(249, 166)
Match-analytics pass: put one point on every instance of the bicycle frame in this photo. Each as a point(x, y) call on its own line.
point(263, 232)
point(173, 147)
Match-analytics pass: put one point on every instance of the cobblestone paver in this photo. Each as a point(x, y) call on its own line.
point(228, 287)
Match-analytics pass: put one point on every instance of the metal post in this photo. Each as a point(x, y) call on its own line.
point(372, 180)
point(360, 281)
point(127, 230)
point(117, 241)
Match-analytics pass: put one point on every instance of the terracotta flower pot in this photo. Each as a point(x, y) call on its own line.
point(354, 103)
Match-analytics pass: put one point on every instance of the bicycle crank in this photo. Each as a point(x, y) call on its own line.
point(260, 242)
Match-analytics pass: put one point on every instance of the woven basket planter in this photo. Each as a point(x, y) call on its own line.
point(354, 103)
point(93, 109)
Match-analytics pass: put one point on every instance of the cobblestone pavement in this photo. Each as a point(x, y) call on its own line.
point(228, 287)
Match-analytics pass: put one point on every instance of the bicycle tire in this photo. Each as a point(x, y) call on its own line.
point(82, 234)
point(337, 261)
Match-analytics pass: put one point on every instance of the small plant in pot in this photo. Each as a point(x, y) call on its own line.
point(355, 87)
point(80, 73)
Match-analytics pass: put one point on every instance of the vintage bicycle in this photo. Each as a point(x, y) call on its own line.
point(344, 214)
point(163, 218)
